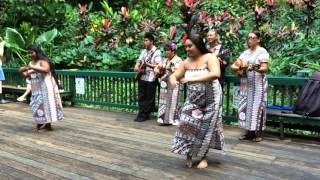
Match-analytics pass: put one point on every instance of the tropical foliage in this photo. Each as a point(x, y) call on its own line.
point(107, 35)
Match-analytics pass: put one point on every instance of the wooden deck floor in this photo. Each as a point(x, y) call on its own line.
point(92, 144)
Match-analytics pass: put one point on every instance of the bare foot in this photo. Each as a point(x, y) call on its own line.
point(257, 139)
point(175, 123)
point(203, 164)
point(189, 162)
point(21, 99)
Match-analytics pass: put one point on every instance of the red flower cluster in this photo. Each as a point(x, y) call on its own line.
point(270, 3)
point(83, 9)
point(224, 16)
point(241, 19)
point(259, 11)
point(169, 3)
point(184, 38)
point(106, 24)
point(188, 2)
point(124, 11)
point(97, 41)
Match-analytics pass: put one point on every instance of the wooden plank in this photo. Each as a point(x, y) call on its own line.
point(149, 157)
point(96, 157)
point(151, 136)
point(61, 162)
point(281, 153)
point(299, 166)
point(131, 128)
point(24, 168)
point(89, 136)
point(41, 166)
point(7, 172)
point(102, 129)
point(171, 160)
point(85, 140)
point(6, 176)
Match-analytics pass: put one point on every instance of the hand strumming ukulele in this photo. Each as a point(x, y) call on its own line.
point(143, 66)
point(244, 68)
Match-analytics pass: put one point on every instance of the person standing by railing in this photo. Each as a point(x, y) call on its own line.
point(169, 97)
point(2, 78)
point(45, 100)
point(149, 58)
point(220, 51)
point(252, 65)
point(200, 120)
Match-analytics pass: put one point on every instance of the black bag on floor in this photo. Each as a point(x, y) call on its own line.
point(308, 102)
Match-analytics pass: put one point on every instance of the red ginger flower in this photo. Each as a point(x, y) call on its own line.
point(270, 3)
point(124, 11)
point(83, 9)
point(169, 3)
point(106, 24)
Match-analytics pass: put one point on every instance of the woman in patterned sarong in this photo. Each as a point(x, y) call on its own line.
point(253, 89)
point(45, 100)
point(169, 98)
point(200, 122)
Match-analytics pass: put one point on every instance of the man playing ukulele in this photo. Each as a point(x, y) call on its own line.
point(149, 58)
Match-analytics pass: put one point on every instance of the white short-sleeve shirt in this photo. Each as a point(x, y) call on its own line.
point(260, 55)
point(149, 74)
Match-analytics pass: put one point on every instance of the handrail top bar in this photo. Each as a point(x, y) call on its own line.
point(278, 80)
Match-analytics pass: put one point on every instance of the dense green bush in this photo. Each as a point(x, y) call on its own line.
point(109, 36)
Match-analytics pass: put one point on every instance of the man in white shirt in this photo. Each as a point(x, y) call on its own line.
point(149, 58)
point(222, 53)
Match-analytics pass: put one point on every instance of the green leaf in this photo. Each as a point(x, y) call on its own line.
point(14, 40)
point(88, 40)
point(106, 58)
point(107, 8)
point(99, 64)
point(47, 37)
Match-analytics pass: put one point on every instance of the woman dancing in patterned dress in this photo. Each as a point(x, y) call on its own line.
point(200, 122)
point(45, 100)
point(169, 98)
point(253, 89)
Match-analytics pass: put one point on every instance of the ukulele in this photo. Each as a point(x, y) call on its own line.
point(244, 67)
point(143, 66)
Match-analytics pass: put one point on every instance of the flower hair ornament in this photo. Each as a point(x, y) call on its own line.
point(173, 46)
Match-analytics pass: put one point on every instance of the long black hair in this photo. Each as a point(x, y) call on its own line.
point(197, 40)
point(40, 56)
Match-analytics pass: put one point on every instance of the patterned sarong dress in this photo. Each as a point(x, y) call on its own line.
point(45, 102)
point(253, 93)
point(200, 122)
point(169, 97)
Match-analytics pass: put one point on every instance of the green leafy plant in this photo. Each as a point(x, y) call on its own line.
point(109, 36)
point(17, 44)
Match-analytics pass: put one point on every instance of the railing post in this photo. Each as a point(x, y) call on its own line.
point(228, 98)
point(72, 83)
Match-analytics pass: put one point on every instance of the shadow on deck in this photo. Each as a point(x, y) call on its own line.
point(92, 144)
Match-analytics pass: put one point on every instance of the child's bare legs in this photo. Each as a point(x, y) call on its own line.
point(28, 91)
point(23, 97)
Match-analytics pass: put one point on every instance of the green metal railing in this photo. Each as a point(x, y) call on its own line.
point(120, 90)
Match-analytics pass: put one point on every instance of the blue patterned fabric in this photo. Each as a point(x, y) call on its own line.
point(1, 74)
